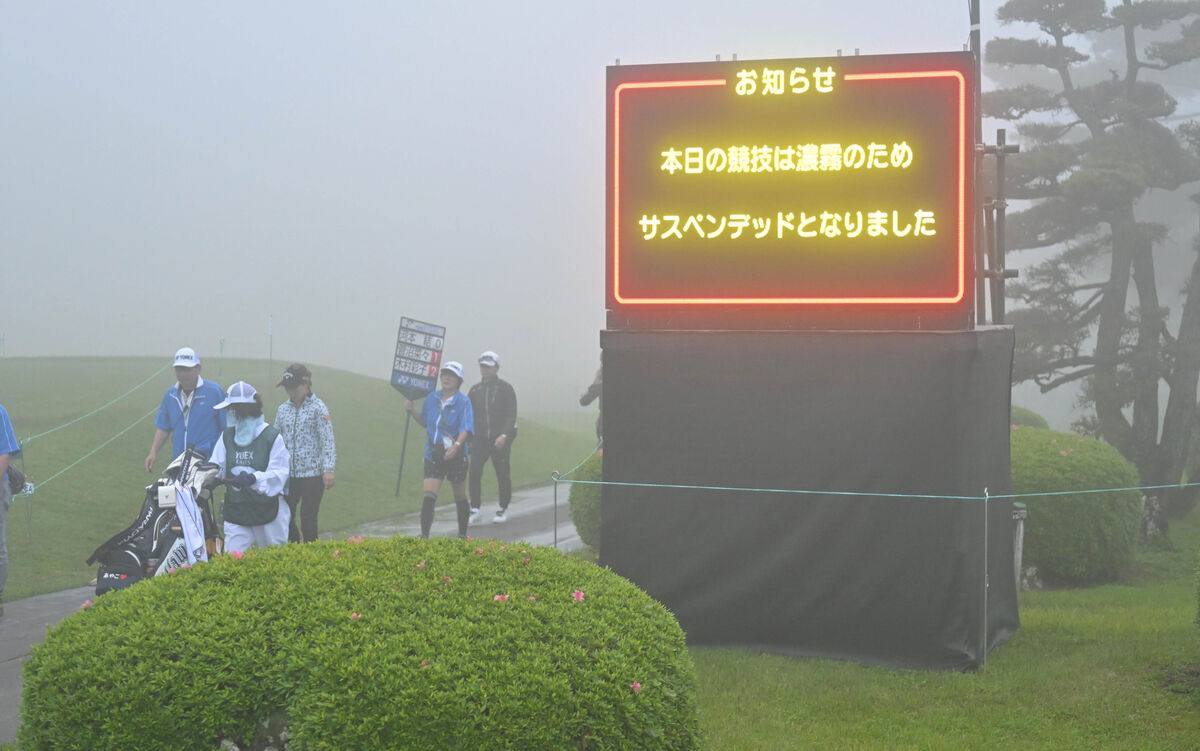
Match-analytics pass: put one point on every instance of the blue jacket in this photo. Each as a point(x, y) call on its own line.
point(8, 440)
point(455, 418)
point(203, 425)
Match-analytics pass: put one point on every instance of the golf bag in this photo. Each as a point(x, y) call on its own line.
point(156, 542)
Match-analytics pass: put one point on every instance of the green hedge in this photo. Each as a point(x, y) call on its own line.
point(1075, 538)
point(371, 644)
point(584, 501)
point(1027, 418)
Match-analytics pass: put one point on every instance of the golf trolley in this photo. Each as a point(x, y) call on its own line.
point(176, 526)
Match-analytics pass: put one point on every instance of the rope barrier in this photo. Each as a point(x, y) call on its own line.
point(25, 441)
point(29, 490)
point(557, 478)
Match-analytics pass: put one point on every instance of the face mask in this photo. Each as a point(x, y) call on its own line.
point(244, 428)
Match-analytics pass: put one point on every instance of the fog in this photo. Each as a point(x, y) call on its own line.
point(287, 180)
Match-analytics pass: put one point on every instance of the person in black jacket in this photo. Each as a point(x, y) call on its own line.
point(595, 393)
point(495, 406)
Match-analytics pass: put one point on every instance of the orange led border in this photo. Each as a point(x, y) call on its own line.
point(962, 126)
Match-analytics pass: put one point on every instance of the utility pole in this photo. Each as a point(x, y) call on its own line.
point(977, 53)
point(270, 346)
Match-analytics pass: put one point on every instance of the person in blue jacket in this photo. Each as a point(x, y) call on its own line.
point(188, 411)
point(449, 421)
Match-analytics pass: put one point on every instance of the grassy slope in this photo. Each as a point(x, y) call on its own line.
point(51, 533)
point(1091, 668)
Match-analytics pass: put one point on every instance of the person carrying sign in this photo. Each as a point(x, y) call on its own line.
point(449, 421)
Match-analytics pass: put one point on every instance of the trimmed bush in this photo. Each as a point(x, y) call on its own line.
point(584, 501)
point(1075, 538)
point(371, 644)
point(1027, 418)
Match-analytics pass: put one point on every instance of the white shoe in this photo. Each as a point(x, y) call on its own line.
point(475, 514)
point(499, 517)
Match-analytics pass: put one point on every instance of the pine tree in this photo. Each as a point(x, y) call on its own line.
point(1089, 152)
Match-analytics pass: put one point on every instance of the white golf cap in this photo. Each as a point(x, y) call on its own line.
point(489, 358)
point(239, 393)
point(186, 357)
point(455, 368)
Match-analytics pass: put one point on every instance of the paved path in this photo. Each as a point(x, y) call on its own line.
point(531, 518)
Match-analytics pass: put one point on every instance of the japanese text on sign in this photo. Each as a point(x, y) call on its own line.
point(804, 184)
point(808, 157)
point(777, 81)
point(828, 224)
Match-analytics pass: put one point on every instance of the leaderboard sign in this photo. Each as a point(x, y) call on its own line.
point(812, 186)
point(418, 358)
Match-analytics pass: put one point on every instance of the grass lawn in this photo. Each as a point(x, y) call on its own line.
point(1113, 667)
point(51, 533)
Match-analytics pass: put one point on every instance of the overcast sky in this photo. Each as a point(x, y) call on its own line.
point(180, 173)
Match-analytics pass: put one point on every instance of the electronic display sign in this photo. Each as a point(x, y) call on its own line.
point(811, 185)
point(417, 362)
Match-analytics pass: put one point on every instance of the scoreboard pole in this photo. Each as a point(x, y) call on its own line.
point(403, 448)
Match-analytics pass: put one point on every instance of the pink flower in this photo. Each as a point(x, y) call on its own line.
point(479, 551)
point(635, 686)
point(356, 539)
point(425, 664)
point(531, 598)
point(578, 595)
point(355, 616)
point(421, 564)
point(1014, 427)
point(503, 547)
point(188, 565)
point(500, 598)
point(524, 560)
point(86, 604)
point(236, 554)
point(469, 538)
point(1063, 453)
point(337, 554)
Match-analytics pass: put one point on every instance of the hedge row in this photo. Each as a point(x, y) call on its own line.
point(1075, 538)
point(369, 644)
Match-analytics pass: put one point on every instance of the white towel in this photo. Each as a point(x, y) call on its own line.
point(191, 522)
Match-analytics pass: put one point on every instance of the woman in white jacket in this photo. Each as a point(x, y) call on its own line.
point(253, 457)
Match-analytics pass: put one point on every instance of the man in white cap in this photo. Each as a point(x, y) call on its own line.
point(188, 411)
point(255, 459)
point(449, 421)
point(495, 406)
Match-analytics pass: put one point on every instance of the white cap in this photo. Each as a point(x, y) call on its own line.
point(455, 368)
point(489, 358)
point(239, 393)
point(186, 358)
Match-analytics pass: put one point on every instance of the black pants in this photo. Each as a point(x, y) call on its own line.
point(304, 493)
point(481, 451)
